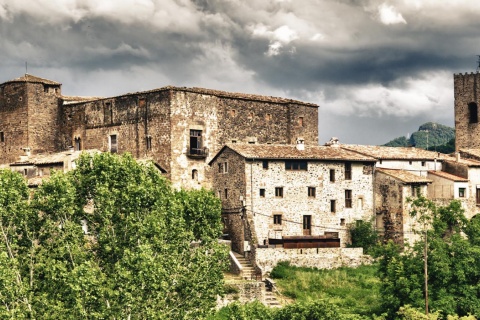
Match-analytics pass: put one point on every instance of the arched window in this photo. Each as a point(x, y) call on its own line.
point(473, 112)
point(195, 174)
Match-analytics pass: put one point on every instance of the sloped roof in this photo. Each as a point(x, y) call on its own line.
point(217, 93)
point(285, 151)
point(395, 153)
point(73, 99)
point(466, 162)
point(474, 153)
point(447, 176)
point(33, 79)
point(52, 158)
point(404, 176)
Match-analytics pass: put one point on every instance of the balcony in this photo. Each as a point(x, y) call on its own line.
point(198, 153)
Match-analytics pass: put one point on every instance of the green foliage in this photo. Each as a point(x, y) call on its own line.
point(453, 264)
point(364, 235)
point(440, 138)
point(138, 260)
point(281, 271)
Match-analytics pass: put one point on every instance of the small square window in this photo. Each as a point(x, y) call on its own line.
point(279, 192)
point(461, 192)
point(268, 116)
point(262, 193)
point(265, 164)
point(410, 162)
point(233, 112)
point(311, 192)
point(300, 121)
point(277, 219)
point(423, 163)
point(342, 222)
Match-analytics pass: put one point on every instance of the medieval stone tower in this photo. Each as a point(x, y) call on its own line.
point(29, 112)
point(467, 95)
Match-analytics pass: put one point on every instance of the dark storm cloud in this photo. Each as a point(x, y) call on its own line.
point(368, 64)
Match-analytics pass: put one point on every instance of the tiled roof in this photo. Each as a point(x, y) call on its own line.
point(448, 176)
point(35, 182)
point(475, 153)
point(404, 176)
point(29, 78)
point(73, 100)
point(52, 158)
point(277, 151)
point(398, 153)
point(467, 162)
point(218, 93)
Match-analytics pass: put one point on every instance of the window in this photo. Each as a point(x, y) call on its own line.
point(108, 112)
point(141, 102)
point(332, 175)
point(348, 171)
point(268, 116)
point(311, 192)
point(149, 142)
point(415, 190)
point(226, 193)
point(279, 192)
point(277, 219)
point(307, 225)
point(223, 167)
point(478, 196)
point(410, 162)
point(2, 137)
point(196, 142)
point(250, 115)
point(220, 167)
point(342, 222)
point(234, 141)
point(113, 143)
point(333, 206)
point(295, 165)
point(348, 198)
point(461, 192)
point(360, 203)
point(473, 112)
point(195, 174)
point(300, 121)
point(25, 172)
point(265, 164)
point(423, 163)
point(233, 112)
point(78, 144)
point(262, 193)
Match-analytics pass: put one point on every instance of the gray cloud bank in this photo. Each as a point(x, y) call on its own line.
point(377, 68)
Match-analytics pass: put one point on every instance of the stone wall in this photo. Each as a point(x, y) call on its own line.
point(13, 121)
point(322, 258)
point(466, 91)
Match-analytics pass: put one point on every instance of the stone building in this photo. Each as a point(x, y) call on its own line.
point(467, 95)
point(178, 128)
point(291, 197)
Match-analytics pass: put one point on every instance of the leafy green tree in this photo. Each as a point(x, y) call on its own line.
point(453, 264)
point(364, 235)
point(138, 260)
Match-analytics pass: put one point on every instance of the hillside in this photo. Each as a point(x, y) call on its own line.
point(430, 135)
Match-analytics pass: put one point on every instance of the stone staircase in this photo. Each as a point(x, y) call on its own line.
point(248, 273)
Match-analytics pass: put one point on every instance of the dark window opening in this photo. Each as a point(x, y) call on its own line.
point(141, 102)
point(473, 112)
point(226, 193)
point(2, 137)
point(307, 225)
point(149, 142)
point(265, 164)
point(196, 142)
point(348, 171)
point(233, 112)
point(342, 222)
point(300, 121)
point(195, 174)
point(113, 143)
point(279, 192)
point(423, 163)
point(277, 219)
point(25, 172)
point(78, 144)
point(262, 193)
point(333, 206)
point(332, 175)
point(225, 167)
point(348, 198)
point(478, 196)
point(295, 165)
point(415, 191)
point(311, 192)
point(461, 192)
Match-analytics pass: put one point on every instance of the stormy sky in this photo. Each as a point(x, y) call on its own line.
point(377, 68)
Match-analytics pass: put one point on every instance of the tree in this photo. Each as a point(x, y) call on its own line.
point(453, 264)
point(137, 260)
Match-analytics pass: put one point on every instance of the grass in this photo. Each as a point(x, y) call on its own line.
point(354, 290)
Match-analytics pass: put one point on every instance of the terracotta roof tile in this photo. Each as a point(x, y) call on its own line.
point(448, 176)
point(467, 162)
point(400, 153)
point(475, 153)
point(277, 151)
point(404, 176)
point(52, 158)
point(33, 79)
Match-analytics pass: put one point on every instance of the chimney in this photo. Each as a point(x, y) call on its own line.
point(300, 144)
point(457, 156)
point(333, 142)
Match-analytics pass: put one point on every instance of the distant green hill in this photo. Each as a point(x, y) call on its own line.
point(434, 136)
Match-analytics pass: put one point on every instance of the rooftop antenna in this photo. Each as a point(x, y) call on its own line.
point(26, 66)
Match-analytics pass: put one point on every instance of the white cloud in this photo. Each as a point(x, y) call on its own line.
point(389, 15)
point(278, 38)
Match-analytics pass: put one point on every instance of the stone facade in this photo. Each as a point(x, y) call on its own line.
point(268, 196)
point(178, 128)
point(467, 94)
